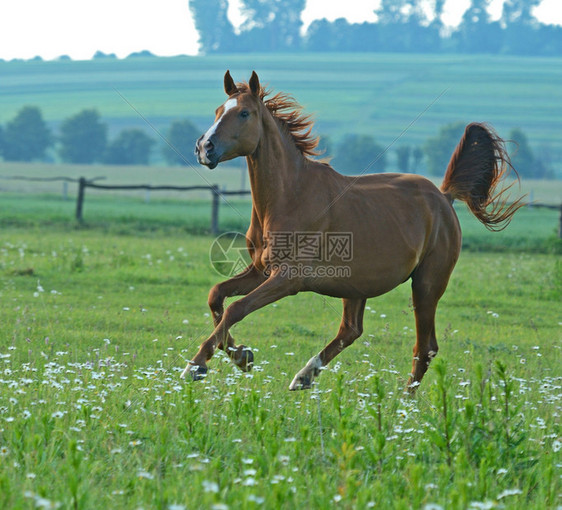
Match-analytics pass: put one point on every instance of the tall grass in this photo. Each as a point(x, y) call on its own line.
point(97, 327)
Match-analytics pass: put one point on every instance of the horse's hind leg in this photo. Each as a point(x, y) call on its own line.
point(351, 328)
point(425, 348)
point(240, 285)
point(429, 282)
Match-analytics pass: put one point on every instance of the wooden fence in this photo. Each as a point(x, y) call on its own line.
point(553, 207)
point(216, 195)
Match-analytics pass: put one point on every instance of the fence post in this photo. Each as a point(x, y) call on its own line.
point(80, 200)
point(215, 210)
point(560, 224)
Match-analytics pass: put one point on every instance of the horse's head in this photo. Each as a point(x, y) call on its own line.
point(236, 130)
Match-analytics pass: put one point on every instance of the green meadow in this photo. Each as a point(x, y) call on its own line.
point(400, 98)
point(32, 203)
point(98, 321)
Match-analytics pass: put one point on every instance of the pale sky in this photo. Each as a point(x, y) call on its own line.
point(79, 28)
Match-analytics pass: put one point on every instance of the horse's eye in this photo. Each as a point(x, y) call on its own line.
point(244, 114)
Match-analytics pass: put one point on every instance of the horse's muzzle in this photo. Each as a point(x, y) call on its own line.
point(206, 152)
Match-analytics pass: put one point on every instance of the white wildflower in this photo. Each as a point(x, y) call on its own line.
point(484, 505)
point(256, 499)
point(509, 492)
point(209, 486)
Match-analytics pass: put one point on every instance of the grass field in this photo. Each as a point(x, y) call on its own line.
point(98, 322)
point(99, 319)
point(29, 203)
point(231, 176)
point(532, 230)
point(378, 94)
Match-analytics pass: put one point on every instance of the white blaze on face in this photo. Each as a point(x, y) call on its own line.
point(229, 105)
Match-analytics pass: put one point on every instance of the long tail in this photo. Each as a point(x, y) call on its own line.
point(480, 162)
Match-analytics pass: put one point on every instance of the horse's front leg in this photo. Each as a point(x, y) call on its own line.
point(239, 285)
point(271, 290)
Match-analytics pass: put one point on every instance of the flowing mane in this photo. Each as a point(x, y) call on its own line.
point(289, 113)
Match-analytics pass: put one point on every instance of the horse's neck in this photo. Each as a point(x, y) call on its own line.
point(274, 171)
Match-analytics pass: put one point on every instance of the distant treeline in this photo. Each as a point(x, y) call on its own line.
point(97, 55)
point(402, 26)
point(83, 138)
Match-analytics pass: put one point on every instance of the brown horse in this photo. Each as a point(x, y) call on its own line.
point(313, 229)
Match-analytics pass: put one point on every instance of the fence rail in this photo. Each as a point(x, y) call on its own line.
point(216, 194)
point(214, 189)
point(552, 207)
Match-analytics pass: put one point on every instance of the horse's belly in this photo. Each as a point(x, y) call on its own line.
point(356, 282)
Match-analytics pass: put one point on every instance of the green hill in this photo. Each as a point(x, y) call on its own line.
point(388, 95)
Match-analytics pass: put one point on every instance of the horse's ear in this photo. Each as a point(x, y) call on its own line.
point(255, 86)
point(229, 85)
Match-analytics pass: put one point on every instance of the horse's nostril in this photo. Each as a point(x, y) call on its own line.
point(209, 146)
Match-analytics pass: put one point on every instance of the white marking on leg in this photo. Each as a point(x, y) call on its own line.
point(430, 356)
point(314, 363)
point(231, 103)
point(308, 373)
point(185, 372)
point(187, 369)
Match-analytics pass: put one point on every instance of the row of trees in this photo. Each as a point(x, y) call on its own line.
point(361, 153)
point(82, 138)
point(438, 152)
point(402, 26)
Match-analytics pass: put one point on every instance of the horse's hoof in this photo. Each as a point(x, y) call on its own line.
point(304, 379)
point(301, 383)
point(411, 387)
point(245, 360)
point(195, 372)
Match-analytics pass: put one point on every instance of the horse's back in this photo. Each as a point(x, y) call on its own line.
point(400, 185)
point(395, 221)
point(409, 209)
point(403, 198)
